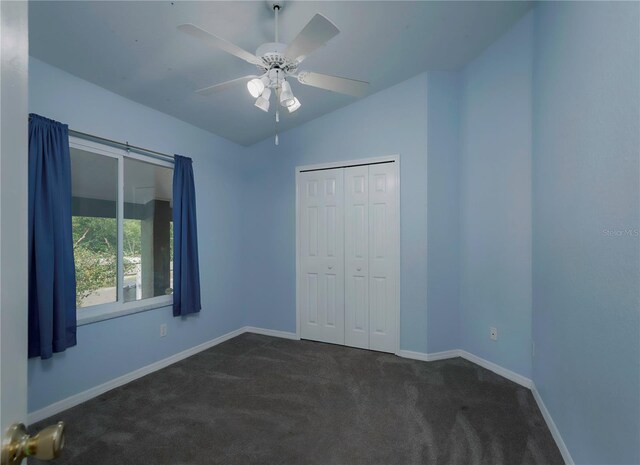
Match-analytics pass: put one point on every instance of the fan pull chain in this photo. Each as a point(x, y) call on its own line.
point(277, 121)
point(277, 98)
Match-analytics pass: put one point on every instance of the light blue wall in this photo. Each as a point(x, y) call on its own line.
point(519, 178)
point(586, 268)
point(495, 201)
point(390, 122)
point(112, 348)
point(443, 212)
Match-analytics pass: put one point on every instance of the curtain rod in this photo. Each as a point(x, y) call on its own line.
point(124, 145)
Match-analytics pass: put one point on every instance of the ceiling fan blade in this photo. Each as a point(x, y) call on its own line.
point(334, 83)
point(224, 85)
point(315, 34)
point(222, 44)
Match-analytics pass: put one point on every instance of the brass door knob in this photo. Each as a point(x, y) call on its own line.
point(17, 444)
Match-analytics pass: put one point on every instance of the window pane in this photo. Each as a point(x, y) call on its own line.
point(95, 232)
point(147, 230)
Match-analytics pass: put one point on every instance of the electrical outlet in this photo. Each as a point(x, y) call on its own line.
point(493, 333)
point(163, 330)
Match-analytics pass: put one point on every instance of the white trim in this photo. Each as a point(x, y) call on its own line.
point(271, 332)
point(342, 163)
point(95, 391)
point(446, 354)
point(564, 451)
point(102, 312)
point(398, 234)
point(338, 164)
point(120, 244)
point(515, 377)
point(510, 375)
point(414, 355)
point(94, 147)
point(298, 267)
point(505, 373)
point(115, 152)
point(429, 357)
point(427, 250)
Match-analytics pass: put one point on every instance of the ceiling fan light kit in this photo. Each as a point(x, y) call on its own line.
point(262, 101)
point(295, 106)
point(277, 61)
point(286, 95)
point(256, 86)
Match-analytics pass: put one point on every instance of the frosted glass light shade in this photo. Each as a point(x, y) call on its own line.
point(263, 100)
point(255, 87)
point(295, 106)
point(286, 96)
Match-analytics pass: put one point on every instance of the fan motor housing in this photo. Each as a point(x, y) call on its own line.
point(273, 55)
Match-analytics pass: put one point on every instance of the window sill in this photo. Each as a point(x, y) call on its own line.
point(115, 310)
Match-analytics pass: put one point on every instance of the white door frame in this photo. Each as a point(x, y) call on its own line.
point(13, 212)
point(341, 164)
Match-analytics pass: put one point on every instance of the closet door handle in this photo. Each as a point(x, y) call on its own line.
point(331, 267)
point(359, 268)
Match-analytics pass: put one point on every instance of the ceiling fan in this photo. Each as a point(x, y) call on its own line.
point(277, 61)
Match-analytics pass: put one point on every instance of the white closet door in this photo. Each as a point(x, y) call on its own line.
point(321, 226)
point(383, 256)
point(356, 200)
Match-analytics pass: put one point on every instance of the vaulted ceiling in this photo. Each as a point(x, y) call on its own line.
point(135, 50)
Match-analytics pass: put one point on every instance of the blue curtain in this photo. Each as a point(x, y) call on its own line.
point(52, 276)
point(186, 273)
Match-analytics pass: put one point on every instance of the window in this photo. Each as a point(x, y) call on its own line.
point(122, 231)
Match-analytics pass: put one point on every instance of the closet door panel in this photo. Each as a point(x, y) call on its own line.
point(357, 256)
point(383, 254)
point(321, 229)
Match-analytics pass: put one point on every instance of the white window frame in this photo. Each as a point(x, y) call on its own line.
point(118, 308)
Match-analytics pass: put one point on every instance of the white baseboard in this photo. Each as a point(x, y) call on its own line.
point(95, 391)
point(413, 355)
point(432, 357)
point(568, 460)
point(445, 354)
point(510, 375)
point(515, 377)
point(84, 396)
point(271, 332)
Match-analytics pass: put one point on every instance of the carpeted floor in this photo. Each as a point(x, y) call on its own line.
point(262, 400)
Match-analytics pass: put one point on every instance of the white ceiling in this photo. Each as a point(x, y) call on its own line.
point(134, 49)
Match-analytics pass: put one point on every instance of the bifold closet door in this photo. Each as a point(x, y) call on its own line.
point(356, 209)
point(321, 258)
point(371, 253)
point(384, 250)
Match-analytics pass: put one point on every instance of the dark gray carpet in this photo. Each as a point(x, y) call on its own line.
point(262, 400)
